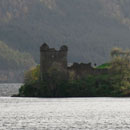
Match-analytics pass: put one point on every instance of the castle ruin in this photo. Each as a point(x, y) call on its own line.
point(50, 57)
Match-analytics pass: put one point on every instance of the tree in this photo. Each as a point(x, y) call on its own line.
point(120, 70)
point(33, 75)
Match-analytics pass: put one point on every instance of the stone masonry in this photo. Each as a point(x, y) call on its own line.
point(50, 57)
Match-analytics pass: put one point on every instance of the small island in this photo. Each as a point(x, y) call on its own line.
point(54, 78)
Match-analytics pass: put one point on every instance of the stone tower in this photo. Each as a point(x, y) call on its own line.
point(50, 57)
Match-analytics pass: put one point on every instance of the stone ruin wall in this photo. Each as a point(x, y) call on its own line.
point(82, 69)
point(49, 57)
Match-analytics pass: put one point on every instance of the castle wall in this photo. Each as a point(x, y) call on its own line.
point(82, 70)
point(49, 58)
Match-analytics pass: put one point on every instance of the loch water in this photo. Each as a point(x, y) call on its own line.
point(7, 90)
point(64, 113)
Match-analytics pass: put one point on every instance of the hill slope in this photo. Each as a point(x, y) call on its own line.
point(89, 27)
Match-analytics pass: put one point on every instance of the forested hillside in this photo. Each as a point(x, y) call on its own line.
point(13, 59)
point(89, 27)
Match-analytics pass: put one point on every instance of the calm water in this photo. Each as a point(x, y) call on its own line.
point(64, 114)
point(9, 89)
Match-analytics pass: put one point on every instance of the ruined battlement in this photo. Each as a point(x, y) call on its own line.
point(52, 58)
point(83, 69)
point(45, 47)
point(80, 66)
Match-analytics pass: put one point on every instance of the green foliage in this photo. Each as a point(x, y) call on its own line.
point(120, 71)
point(53, 87)
point(91, 86)
point(104, 66)
point(55, 84)
point(33, 75)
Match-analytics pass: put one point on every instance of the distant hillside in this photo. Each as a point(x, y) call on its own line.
point(89, 27)
point(13, 59)
point(13, 64)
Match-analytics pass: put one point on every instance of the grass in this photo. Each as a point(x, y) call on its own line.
point(104, 66)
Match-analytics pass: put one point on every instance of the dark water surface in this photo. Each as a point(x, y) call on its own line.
point(64, 114)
